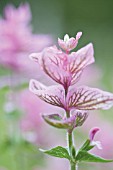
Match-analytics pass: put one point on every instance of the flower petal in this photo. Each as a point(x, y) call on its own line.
point(79, 60)
point(53, 95)
point(93, 133)
point(86, 98)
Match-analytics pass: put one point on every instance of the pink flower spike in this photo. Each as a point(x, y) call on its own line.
point(53, 95)
point(93, 133)
point(69, 44)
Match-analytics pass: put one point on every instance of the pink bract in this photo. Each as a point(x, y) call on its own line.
point(80, 98)
point(64, 68)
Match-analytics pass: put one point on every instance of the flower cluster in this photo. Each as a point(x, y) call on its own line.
point(16, 38)
point(65, 68)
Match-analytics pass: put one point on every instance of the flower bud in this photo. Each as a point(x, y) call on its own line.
point(69, 44)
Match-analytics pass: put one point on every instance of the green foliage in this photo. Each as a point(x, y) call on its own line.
point(87, 157)
point(86, 146)
point(57, 152)
point(84, 156)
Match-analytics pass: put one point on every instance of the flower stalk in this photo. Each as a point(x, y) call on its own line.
point(71, 147)
point(65, 68)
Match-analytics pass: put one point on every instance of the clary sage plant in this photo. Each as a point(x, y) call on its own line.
point(65, 68)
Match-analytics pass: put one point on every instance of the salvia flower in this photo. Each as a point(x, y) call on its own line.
point(91, 137)
point(64, 68)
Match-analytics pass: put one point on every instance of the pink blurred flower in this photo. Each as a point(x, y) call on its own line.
point(16, 38)
point(32, 125)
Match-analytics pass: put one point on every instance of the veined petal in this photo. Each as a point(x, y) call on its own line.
point(53, 95)
point(79, 60)
point(54, 64)
point(86, 98)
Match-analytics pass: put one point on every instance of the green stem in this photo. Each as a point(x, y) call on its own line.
point(71, 147)
point(70, 142)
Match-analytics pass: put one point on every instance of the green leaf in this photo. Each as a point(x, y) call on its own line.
point(87, 157)
point(86, 146)
point(57, 152)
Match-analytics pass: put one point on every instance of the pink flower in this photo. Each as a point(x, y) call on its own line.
point(23, 14)
point(69, 44)
point(16, 38)
point(92, 135)
point(81, 98)
point(64, 68)
point(104, 136)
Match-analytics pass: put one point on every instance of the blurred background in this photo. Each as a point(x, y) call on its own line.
point(33, 27)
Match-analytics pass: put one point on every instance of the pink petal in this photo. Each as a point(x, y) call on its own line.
point(86, 98)
point(53, 95)
point(79, 34)
point(21, 14)
point(79, 60)
point(54, 65)
point(72, 43)
point(93, 133)
point(62, 44)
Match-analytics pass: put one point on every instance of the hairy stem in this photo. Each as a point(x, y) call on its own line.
point(70, 141)
point(71, 147)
